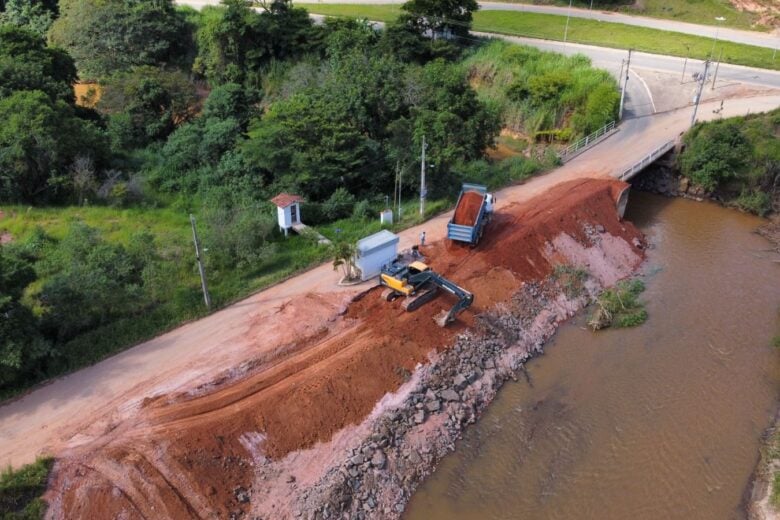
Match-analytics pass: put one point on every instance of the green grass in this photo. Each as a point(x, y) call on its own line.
point(21, 490)
point(619, 306)
point(551, 27)
point(698, 11)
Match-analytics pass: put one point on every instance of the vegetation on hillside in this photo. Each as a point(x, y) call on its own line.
point(212, 113)
point(20, 490)
point(543, 94)
point(737, 160)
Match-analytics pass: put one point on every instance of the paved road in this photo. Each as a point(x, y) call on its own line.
point(760, 39)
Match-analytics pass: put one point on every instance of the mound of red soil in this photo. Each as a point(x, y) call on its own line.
point(468, 208)
point(186, 454)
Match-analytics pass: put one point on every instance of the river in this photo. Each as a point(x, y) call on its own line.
point(662, 421)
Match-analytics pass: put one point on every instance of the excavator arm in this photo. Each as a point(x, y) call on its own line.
point(465, 298)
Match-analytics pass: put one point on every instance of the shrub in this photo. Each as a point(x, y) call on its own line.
point(339, 205)
point(362, 210)
point(20, 490)
point(715, 153)
point(754, 201)
point(619, 306)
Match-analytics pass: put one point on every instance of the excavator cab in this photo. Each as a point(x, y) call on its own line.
point(419, 285)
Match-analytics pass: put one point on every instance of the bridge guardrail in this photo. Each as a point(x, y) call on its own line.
point(572, 150)
point(647, 160)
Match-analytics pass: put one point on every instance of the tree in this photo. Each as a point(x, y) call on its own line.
point(343, 254)
point(39, 140)
point(235, 44)
point(89, 283)
point(27, 64)
point(439, 18)
point(106, 36)
point(308, 144)
point(21, 345)
point(145, 104)
point(445, 109)
point(30, 14)
point(715, 153)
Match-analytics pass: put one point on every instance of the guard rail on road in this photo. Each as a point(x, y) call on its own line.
point(574, 148)
point(647, 160)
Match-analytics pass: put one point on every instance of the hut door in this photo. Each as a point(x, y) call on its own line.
point(294, 213)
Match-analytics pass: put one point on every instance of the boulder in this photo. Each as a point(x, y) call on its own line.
point(450, 395)
point(379, 459)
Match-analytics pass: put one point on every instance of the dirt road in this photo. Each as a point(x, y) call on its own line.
point(74, 409)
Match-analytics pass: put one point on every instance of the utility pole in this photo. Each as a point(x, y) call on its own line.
point(718, 19)
point(697, 99)
point(422, 180)
point(685, 63)
point(715, 77)
point(625, 86)
point(201, 268)
point(566, 30)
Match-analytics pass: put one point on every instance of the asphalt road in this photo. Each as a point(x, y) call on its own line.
point(759, 39)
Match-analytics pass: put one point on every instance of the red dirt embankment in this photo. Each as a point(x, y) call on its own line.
point(468, 209)
point(187, 455)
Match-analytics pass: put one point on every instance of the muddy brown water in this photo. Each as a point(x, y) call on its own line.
point(658, 422)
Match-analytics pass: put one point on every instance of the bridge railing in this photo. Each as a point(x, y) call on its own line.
point(647, 160)
point(576, 147)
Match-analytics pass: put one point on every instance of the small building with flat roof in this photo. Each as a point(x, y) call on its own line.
point(375, 251)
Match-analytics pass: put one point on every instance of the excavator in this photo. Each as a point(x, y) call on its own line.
point(419, 284)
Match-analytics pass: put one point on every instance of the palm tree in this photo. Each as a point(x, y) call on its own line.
point(344, 256)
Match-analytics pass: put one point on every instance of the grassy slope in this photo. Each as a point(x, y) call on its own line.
point(20, 491)
point(551, 27)
point(699, 11)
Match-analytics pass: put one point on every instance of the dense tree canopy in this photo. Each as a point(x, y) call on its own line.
point(27, 64)
point(35, 15)
point(716, 153)
point(105, 36)
point(439, 18)
point(21, 345)
point(237, 43)
point(39, 140)
point(145, 104)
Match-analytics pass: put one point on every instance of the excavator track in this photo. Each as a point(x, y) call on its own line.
point(422, 297)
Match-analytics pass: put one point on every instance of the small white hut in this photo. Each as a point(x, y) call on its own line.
point(288, 210)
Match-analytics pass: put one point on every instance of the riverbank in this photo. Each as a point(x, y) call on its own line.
point(350, 417)
point(764, 491)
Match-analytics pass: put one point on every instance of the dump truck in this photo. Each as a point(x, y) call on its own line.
point(418, 284)
point(472, 213)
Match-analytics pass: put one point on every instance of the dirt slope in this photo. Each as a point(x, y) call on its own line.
point(189, 455)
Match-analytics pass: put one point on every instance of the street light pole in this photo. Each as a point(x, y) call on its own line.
point(423, 189)
point(697, 100)
point(719, 19)
point(625, 86)
point(566, 30)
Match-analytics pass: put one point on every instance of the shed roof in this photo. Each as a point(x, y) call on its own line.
point(371, 243)
point(286, 199)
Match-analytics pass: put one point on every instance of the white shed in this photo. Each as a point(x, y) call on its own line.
point(375, 251)
point(288, 210)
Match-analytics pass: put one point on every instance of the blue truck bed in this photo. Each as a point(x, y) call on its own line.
point(469, 233)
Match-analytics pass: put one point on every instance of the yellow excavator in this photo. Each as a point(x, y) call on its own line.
point(418, 284)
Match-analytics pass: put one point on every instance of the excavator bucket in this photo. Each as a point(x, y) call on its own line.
point(443, 318)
